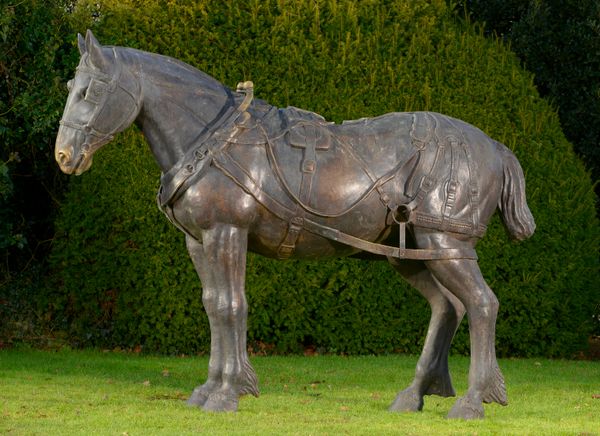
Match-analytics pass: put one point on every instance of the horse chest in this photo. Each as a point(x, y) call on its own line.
point(212, 199)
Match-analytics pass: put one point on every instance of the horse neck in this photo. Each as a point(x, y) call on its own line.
point(179, 103)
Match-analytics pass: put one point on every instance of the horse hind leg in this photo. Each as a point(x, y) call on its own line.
point(432, 376)
point(463, 278)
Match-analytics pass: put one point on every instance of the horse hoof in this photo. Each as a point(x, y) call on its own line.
point(221, 402)
point(198, 397)
point(464, 408)
point(407, 401)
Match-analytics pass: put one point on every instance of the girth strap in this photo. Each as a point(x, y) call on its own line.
point(223, 161)
point(386, 250)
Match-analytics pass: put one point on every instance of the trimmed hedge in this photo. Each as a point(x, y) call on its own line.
point(121, 272)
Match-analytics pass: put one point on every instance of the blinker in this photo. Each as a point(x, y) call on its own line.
point(95, 91)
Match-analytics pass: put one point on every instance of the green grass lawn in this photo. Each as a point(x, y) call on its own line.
point(91, 392)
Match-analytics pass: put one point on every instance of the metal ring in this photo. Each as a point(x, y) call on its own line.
point(401, 214)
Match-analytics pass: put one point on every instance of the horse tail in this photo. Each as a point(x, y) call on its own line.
point(517, 217)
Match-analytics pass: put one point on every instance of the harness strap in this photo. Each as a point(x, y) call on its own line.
point(174, 180)
point(229, 167)
point(473, 189)
point(386, 250)
point(287, 247)
point(308, 168)
point(429, 181)
point(452, 183)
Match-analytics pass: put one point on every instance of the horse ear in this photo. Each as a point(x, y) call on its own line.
point(97, 56)
point(81, 44)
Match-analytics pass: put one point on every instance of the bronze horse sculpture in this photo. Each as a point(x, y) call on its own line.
point(239, 174)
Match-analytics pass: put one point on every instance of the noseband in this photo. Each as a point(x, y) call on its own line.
point(100, 88)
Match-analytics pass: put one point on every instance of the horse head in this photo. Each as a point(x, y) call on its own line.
point(104, 99)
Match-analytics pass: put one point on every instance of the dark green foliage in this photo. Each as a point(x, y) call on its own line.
point(7, 236)
point(559, 41)
point(36, 56)
point(34, 61)
point(121, 273)
point(499, 16)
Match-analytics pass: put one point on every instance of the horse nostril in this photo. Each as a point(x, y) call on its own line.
point(62, 157)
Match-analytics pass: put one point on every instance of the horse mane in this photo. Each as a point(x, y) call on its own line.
point(168, 70)
point(187, 88)
point(182, 79)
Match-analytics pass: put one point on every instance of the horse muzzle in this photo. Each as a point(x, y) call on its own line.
point(68, 158)
point(77, 166)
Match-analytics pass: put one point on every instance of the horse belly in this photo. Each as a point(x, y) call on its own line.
point(367, 221)
point(216, 199)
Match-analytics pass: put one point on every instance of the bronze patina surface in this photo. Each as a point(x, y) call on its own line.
point(239, 174)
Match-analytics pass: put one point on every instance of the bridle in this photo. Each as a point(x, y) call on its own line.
point(100, 88)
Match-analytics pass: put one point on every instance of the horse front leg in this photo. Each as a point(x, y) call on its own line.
point(213, 382)
point(432, 376)
point(221, 264)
